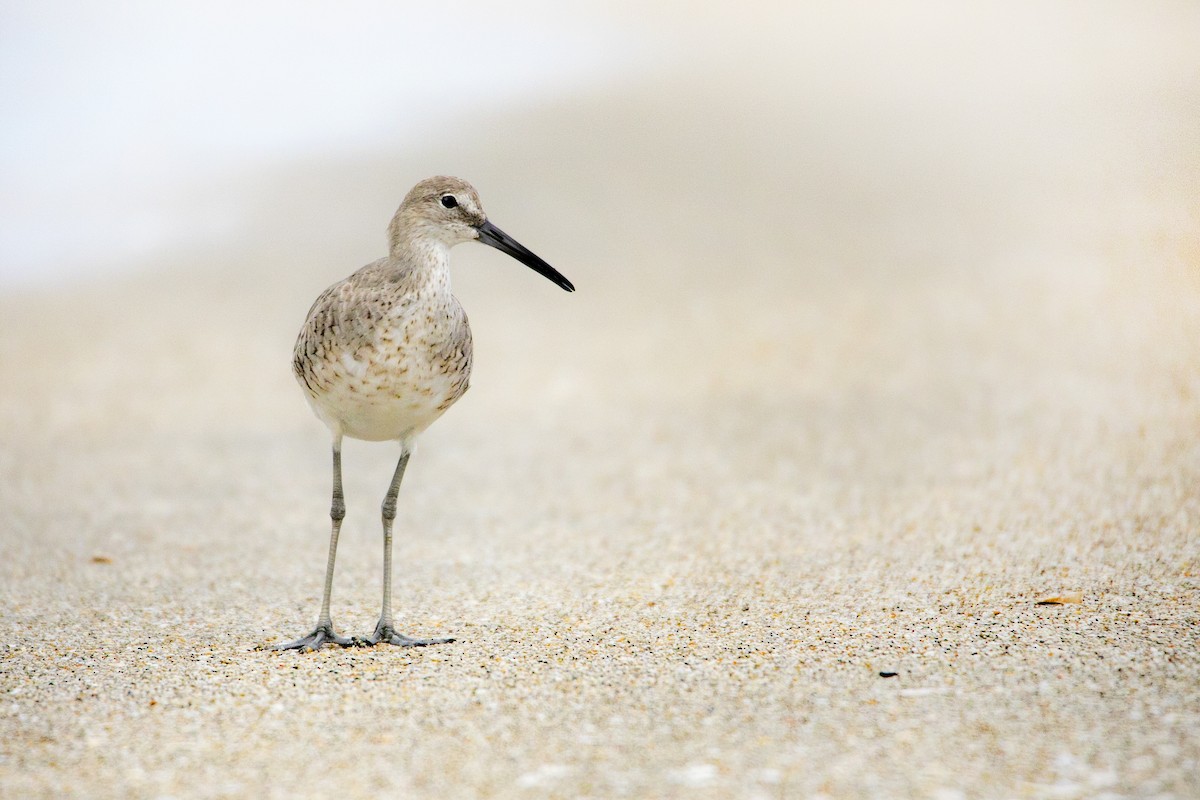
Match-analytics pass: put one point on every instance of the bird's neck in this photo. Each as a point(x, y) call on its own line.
point(423, 263)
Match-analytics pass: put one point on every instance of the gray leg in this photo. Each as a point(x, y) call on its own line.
point(384, 632)
point(337, 512)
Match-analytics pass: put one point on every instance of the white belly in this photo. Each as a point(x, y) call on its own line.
point(381, 405)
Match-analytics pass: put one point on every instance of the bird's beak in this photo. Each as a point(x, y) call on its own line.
point(492, 236)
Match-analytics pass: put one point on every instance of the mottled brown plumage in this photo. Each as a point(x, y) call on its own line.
point(385, 352)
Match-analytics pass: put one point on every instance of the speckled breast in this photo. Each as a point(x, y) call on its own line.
point(393, 383)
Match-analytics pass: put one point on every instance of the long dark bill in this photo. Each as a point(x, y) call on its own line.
point(492, 236)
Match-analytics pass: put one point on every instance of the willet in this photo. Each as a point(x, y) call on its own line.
point(386, 351)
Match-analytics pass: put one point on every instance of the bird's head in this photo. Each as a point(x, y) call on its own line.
point(448, 210)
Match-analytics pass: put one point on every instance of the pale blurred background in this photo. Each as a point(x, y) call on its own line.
point(134, 131)
point(763, 176)
point(826, 253)
point(134, 128)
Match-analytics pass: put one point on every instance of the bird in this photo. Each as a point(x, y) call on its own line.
point(385, 352)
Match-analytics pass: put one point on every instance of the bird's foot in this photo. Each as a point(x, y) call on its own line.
point(323, 633)
point(384, 632)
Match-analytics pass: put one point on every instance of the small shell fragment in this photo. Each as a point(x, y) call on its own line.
point(1060, 599)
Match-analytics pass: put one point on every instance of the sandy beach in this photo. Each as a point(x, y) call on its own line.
point(849, 384)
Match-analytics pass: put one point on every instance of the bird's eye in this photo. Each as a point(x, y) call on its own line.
point(449, 201)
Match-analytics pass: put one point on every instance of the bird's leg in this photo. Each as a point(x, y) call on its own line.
point(384, 632)
point(337, 512)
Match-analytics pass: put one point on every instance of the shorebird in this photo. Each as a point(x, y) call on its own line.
point(383, 353)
